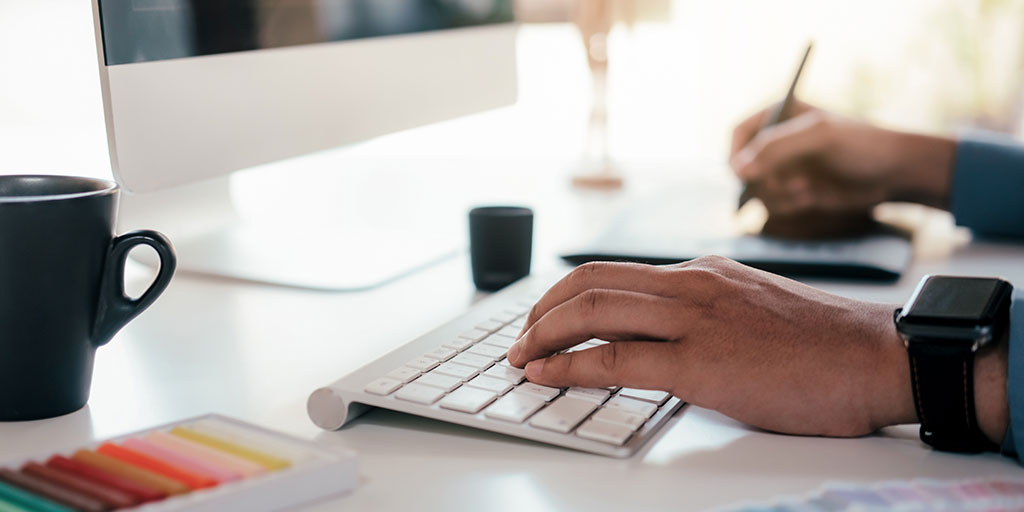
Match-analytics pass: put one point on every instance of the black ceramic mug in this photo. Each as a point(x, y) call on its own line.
point(62, 288)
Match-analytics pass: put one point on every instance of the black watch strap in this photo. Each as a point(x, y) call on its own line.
point(942, 379)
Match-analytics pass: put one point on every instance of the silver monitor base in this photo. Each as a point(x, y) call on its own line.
point(211, 239)
point(318, 261)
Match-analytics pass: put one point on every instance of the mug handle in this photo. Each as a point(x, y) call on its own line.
point(115, 308)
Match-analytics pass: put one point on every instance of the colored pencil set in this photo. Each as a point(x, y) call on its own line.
point(207, 463)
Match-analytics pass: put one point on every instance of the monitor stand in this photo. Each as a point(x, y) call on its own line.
point(212, 238)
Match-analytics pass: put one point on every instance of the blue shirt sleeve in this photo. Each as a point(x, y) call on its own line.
point(988, 180)
point(1015, 377)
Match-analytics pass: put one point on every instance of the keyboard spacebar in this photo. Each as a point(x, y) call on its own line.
point(563, 414)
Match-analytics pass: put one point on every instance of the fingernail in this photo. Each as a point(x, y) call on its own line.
point(735, 163)
point(513, 353)
point(534, 369)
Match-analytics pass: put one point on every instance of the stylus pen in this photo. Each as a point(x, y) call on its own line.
point(777, 115)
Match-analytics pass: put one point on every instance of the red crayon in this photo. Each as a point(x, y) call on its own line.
point(139, 491)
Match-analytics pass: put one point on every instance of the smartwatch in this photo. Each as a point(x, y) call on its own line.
point(945, 322)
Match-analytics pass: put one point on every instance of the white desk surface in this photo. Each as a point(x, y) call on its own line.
point(256, 352)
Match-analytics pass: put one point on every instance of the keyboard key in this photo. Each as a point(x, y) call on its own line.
point(611, 433)
point(512, 375)
point(487, 350)
point(539, 391)
point(499, 386)
point(440, 353)
point(504, 317)
point(499, 341)
point(647, 395)
point(383, 386)
point(475, 335)
point(456, 370)
point(423, 363)
point(596, 395)
point(404, 374)
point(476, 361)
point(645, 409)
point(518, 324)
point(445, 382)
point(524, 306)
point(633, 421)
point(514, 407)
point(467, 399)
point(563, 414)
point(509, 331)
point(459, 344)
point(419, 393)
point(490, 325)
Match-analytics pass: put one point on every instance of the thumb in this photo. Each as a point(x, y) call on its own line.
point(776, 147)
point(634, 364)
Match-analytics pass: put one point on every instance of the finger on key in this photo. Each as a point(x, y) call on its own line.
point(634, 364)
point(598, 313)
point(608, 275)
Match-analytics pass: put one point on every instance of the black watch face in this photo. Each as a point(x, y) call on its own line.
point(957, 299)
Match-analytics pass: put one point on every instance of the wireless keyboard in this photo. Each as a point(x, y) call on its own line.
point(458, 373)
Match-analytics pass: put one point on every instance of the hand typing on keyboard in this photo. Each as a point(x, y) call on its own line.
point(766, 350)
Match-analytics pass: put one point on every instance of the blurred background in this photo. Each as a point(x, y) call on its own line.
point(680, 74)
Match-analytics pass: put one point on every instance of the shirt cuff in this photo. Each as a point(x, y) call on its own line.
point(1015, 377)
point(988, 175)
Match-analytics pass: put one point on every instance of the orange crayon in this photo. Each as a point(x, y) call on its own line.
point(130, 471)
point(193, 480)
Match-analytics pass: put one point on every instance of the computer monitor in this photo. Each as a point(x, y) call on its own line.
point(194, 90)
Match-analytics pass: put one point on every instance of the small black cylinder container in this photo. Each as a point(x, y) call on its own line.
point(500, 245)
point(62, 288)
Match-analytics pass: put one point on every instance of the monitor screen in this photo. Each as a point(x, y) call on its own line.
point(149, 30)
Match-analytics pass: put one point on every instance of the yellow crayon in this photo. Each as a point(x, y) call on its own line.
point(268, 461)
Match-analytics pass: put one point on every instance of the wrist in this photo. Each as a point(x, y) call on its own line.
point(922, 170)
point(991, 403)
point(892, 396)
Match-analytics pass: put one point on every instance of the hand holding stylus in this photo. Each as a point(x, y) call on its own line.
point(820, 174)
